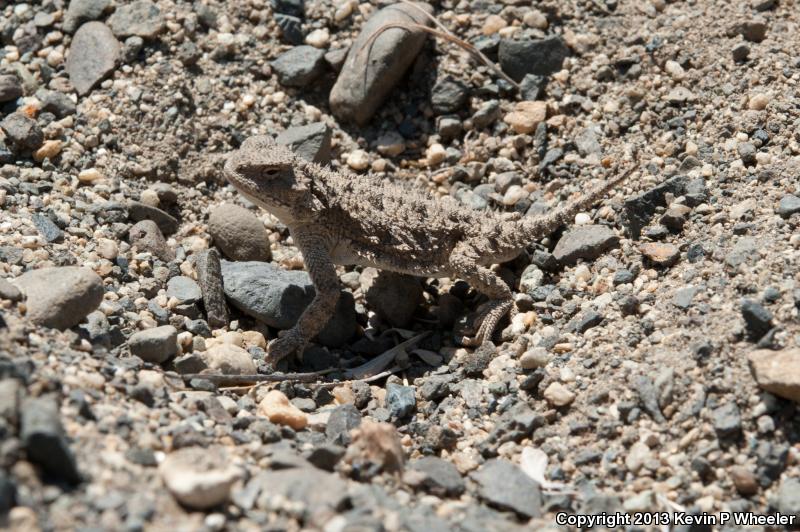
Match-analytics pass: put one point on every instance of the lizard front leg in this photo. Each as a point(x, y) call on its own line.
point(314, 248)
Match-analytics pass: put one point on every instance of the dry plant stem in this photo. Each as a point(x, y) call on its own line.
point(247, 379)
point(444, 34)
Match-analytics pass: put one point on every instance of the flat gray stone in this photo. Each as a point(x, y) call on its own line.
point(312, 142)
point(441, 477)
point(43, 437)
point(184, 289)
point(10, 88)
point(93, 55)
point(23, 133)
point(584, 242)
point(60, 297)
point(505, 486)
point(789, 205)
point(367, 78)
point(277, 297)
point(541, 57)
point(9, 291)
point(154, 345)
point(141, 18)
point(317, 490)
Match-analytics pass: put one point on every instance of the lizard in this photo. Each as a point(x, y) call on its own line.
point(337, 217)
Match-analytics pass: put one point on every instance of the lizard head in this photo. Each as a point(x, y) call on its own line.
point(268, 174)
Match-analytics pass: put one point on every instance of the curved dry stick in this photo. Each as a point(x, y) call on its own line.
point(446, 35)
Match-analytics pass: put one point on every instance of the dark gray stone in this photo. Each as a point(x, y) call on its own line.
point(532, 87)
point(146, 236)
point(441, 477)
point(155, 345)
point(209, 275)
point(586, 321)
point(584, 242)
point(394, 297)
point(623, 277)
point(740, 52)
point(505, 486)
point(11, 393)
point(140, 18)
point(44, 440)
point(277, 297)
point(23, 133)
point(448, 95)
point(8, 493)
point(753, 30)
point(57, 103)
point(311, 142)
point(140, 211)
point(80, 11)
point(400, 400)
point(541, 57)
point(486, 115)
point(189, 364)
point(47, 228)
point(184, 289)
point(342, 420)
point(727, 421)
point(757, 319)
point(291, 28)
point(299, 66)
point(93, 54)
point(367, 77)
point(326, 456)
point(10, 88)
point(789, 205)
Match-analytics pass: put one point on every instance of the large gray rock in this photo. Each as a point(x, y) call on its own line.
point(584, 242)
point(93, 55)
point(540, 57)
point(277, 297)
point(319, 492)
point(238, 233)
point(371, 71)
point(184, 289)
point(141, 18)
point(312, 142)
point(138, 211)
point(504, 485)
point(60, 297)
point(199, 478)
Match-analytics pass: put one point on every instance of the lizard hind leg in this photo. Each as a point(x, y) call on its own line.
point(464, 265)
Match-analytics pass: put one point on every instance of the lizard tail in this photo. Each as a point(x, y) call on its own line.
point(533, 228)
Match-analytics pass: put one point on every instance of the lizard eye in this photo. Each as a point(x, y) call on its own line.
point(271, 172)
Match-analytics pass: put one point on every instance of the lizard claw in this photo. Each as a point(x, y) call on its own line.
point(292, 342)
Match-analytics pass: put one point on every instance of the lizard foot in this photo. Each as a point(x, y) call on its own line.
point(291, 342)
point(488, 320)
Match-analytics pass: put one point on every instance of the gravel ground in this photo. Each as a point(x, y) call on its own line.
point(655, 362)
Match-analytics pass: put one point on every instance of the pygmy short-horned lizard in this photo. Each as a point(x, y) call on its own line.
point(341, 218)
